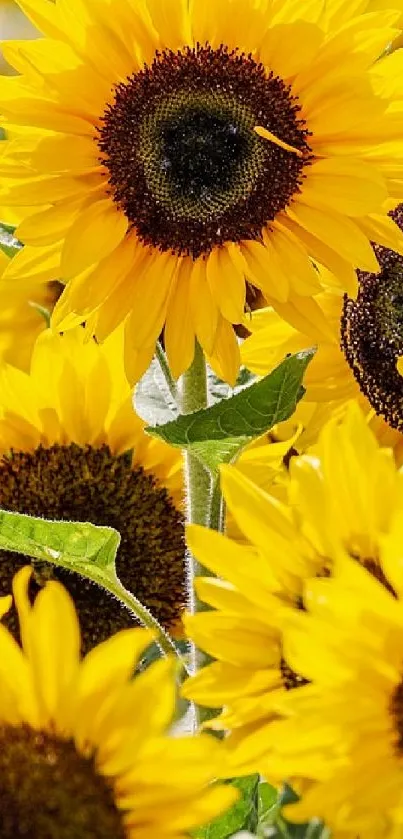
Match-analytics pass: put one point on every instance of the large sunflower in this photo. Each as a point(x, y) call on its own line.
point(72, 448)
point(84, 751)
point(150, 193)
point(345, 497)
point(345, 730)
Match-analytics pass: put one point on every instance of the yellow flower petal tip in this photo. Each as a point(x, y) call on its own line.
point(268, 135)
point(5, 604)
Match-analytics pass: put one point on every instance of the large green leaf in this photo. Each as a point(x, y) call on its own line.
point(69, 544)
point(242, 816)
point(246, 415)
point(85, 548)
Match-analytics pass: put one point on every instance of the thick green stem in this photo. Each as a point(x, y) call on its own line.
point(217, 511)
point(198, 479)
point(199, 495)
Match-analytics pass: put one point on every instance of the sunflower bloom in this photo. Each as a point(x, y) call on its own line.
point(173, 153)
point(84, 750)
point(348, 645)
point(72, 448)
point(345, 497)
point(359, 344)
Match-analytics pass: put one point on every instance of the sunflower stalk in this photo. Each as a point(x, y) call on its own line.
point(202, 497)
point(194, 397)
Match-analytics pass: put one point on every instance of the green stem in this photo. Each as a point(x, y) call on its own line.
point(145, 617)
point(199, 496)
point(170, 381)
point(217, 512)
point(197, 476)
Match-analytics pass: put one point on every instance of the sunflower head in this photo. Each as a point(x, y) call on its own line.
point(372, 334)
point(187, 169)
point(84, 750)
point(73, 449)
point(178, 157)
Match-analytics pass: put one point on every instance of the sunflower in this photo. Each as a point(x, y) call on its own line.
point(345, 497)
point(359, 343)
point(344, 732)
point(148, 190)
point(72, 448)
point(84, 750)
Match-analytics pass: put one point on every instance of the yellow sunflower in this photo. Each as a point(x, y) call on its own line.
point(72, 448)
point(359, 344)
point(345, 497)
point(84, 750)
point(344, 730)
point(149, 191)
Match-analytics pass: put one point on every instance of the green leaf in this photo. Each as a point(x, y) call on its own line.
point(8, 243)
point(273, 825)
point(246, 415)
point(242, 816)
point(269, 803)
point(218, 390)
point(87, 549)
point(66, 543)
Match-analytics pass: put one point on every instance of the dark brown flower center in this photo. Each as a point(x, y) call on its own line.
point(77, 483)
point(372, 334)
point(49, 791)
point(183, 160)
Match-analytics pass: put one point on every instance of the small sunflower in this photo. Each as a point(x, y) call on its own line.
point(149, 192)
point(84, 750)
point(346, 497)
point(72, 448)
point(359, 343)
point(344, 732)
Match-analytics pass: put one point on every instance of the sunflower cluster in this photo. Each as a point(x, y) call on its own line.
point(192, 191)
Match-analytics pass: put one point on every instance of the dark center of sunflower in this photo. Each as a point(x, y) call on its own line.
point(184, 162)
point(75, 483)
point(372, 334)
point(49, 791)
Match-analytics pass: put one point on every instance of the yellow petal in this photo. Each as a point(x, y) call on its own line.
point(179, 333)
point(97, 231)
